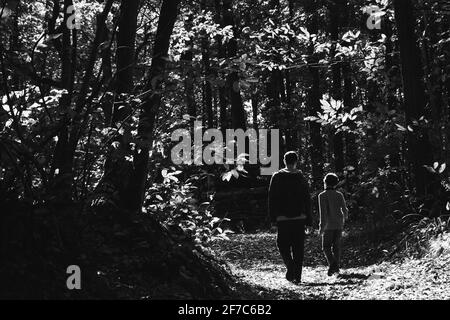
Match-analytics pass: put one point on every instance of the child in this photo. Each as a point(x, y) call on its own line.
point(333, 213)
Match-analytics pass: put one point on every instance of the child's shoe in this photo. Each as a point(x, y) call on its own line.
point(333, 270)
point(336, 270)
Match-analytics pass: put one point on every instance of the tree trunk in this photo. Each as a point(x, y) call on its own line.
point(126, 39)
point(255, 100)
point(118, 170)
point(105, 53)
point(223, 103)
point(338, 144)
point(208, 75)
point(151, 104)
point(296, 127)
point(189, 75)
point(63, 153)
point(419, 149)
point(238, 117)
point(393, 77)
point(433, 70)
point(313, 99)
point(275, 91)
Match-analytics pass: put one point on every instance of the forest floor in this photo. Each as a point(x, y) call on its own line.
point(367, 271)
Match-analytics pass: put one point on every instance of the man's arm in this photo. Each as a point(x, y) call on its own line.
point(344, 207)
point(307, 200)
point(273, 198)
point(322, 212)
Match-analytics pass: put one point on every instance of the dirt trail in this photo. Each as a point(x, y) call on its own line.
point(254, 258)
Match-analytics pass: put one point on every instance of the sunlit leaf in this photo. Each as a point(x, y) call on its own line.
point(400, 128)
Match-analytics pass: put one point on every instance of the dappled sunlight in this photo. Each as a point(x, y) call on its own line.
point(255, 260)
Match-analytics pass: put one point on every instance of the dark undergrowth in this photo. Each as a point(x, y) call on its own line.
point(119, 258)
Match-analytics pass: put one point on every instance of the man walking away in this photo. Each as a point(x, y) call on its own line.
point(290, 208)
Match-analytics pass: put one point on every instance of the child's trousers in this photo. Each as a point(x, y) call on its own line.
point(331, 246)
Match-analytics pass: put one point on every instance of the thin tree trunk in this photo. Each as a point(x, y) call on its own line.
point(63, 155)
point(350, 138)
point(297, 129)
point(223, 103)
point(313, 99)
point(392, 84)
point(105, 53)
point(255, 100)
point(338, 144)
point(238, 117)
point(189, 75)
point(208, 75)
point(151, 104)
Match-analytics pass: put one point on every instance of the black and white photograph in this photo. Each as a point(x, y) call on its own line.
point(225, 156)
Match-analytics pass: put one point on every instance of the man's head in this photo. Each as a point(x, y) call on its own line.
point(291, 159)
point(331, 180)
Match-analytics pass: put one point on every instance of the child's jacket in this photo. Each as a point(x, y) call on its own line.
point(332, 210)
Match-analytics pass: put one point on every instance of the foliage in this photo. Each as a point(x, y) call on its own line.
point(175, 203)
point(332, 115)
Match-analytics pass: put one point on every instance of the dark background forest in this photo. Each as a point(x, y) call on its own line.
point(90, 97)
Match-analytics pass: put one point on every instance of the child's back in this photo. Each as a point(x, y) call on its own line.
point(332, 210)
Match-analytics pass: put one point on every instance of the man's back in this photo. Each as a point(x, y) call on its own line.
point(289, 196)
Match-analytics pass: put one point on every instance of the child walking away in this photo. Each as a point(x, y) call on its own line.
point(333, 213)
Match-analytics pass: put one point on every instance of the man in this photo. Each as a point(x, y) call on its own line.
point(290, 209)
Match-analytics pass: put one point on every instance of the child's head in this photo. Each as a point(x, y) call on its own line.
point(331, 180)
point(290, 159)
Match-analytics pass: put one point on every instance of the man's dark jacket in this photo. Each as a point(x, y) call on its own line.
point(289, 196)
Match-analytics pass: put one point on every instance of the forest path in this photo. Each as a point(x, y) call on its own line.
point(255, 260)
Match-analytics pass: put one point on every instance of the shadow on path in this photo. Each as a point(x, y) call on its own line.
point(349, 279)
point(323, 284)
point(349, 276)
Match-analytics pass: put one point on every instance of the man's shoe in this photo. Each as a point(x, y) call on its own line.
point(297, 280)
point(330, 272)
point(290, 276)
